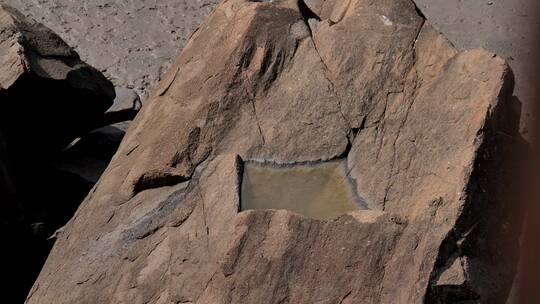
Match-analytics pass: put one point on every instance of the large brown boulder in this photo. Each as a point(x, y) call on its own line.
point(424, 130)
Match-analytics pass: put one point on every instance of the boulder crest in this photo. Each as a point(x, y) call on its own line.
point(424, 131)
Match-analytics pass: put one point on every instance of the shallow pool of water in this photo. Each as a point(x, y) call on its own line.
point(320, 191)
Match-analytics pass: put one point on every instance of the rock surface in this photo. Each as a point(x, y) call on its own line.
point(425, 131)
point(117, 36)
point(505, 27)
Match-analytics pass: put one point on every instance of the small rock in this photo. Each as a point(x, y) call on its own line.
point(125, 99)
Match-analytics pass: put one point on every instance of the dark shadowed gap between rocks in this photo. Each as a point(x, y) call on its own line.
point(306, 12)
point(39, 119)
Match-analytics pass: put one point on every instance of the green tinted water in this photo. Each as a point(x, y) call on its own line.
point(320, 191)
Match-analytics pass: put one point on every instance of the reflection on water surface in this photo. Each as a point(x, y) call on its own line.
point(320, 191)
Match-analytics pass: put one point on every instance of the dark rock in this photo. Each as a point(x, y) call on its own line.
point(45, 87)
point(89, 156)
point(48, 98)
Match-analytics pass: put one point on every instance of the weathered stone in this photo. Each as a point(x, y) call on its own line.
point(424, 129)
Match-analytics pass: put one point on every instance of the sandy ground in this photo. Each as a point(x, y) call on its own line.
point(131, 41)
point(504, 27)
point(134, 41)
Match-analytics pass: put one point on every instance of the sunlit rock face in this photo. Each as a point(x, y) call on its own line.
point(320, 190)
point(423, 128)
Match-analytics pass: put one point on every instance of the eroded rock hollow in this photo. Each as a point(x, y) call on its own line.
point(425, 132)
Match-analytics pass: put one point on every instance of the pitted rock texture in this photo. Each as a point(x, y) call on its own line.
point(425, 130)
point(131, 42)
